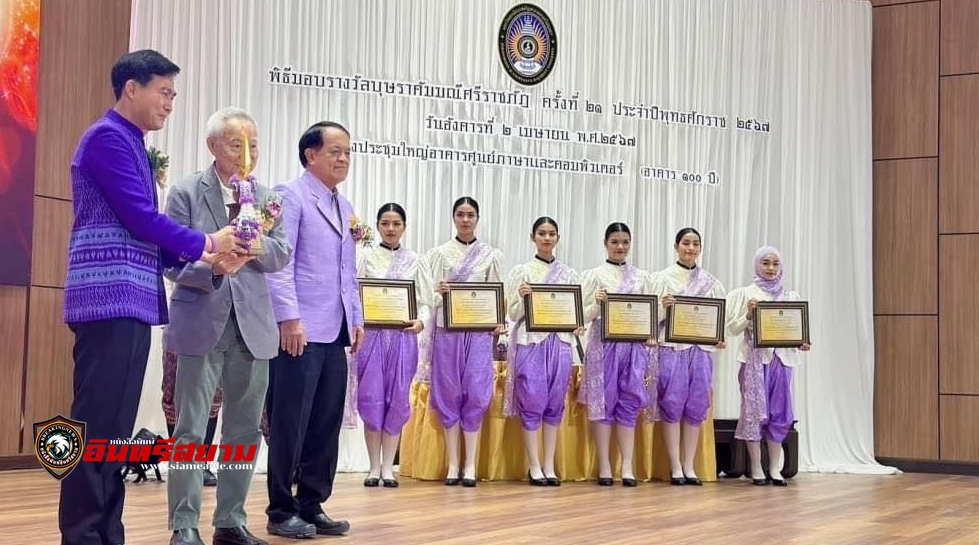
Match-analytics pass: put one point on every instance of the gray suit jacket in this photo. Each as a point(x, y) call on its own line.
point(201, 303)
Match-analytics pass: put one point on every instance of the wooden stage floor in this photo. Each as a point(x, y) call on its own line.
point(814, 509)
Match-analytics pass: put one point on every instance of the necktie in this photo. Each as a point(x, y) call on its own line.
point(336, 207)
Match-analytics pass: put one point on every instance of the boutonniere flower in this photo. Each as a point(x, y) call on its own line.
point(271, 211)
point(360, 232)
point(161, 163)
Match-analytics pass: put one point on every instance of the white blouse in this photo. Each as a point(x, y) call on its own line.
point(737, 323)
point(606, 277)
point(672, 281)
point(531, 272)
point(444, 257)
point(375, 262)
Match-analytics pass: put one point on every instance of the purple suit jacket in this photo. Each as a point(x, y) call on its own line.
point(319, 285)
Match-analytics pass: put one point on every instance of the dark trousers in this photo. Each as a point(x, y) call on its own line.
point(305, 403)
point(110, 361)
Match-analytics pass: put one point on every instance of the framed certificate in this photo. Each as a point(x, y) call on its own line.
point(553, 307)
point(388, 303)
point(695, 320)
point(473, 306)
point(782, 324)
point(629, 317)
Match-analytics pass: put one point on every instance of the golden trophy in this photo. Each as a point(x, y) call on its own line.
point(248, 220)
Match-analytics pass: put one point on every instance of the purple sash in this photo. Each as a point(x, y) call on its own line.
point(754, 403)
point(400, 263)
point(557, 273)
point(592, 393)
point(477, 252)
point(700, 284)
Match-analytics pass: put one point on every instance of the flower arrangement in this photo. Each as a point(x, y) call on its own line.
point(161, 163)
point(361, 232)
point(248, 224)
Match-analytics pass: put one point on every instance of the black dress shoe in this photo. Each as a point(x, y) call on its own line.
point(451, 481)
point(325, 526)
point(626, 481)
point(186, 536)
point(536, 482)
point(235, 536)
point(293, 527)
point(371, 482)
point(553, 481)
point(390, 483)
point(210, 479)
point(780, 482)
point(695, 481)
point(759, 482)
point(678, 481)
point(605, 481)
point(468, 483)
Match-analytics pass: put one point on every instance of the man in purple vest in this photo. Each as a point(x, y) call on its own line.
point(114, 288)
point(317, 306)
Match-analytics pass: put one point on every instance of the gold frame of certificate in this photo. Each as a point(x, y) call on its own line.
point(553, 308)
point(388, 303)
point(689, 320)
point(781, 324)
point(473, 306)
point(629, 317)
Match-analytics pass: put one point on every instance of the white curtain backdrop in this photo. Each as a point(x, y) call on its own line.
point(804, 185)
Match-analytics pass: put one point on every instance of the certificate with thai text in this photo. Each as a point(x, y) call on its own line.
point(553, 308)
point(388, 303)
point(473, 306)
point(629, 317)
point(695, 320)
point(781, 324)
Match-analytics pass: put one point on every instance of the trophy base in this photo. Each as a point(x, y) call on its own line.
point(255, 248)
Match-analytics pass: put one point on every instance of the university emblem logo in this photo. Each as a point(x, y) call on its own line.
point(59, 444)
point(527, 44)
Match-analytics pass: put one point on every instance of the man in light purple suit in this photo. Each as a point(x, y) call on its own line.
point(317, 306)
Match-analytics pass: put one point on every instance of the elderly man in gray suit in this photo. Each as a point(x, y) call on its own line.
point(222, 329)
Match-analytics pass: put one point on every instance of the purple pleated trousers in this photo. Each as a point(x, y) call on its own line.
point(540, 383)
point(684, 384)
point(778, 397)
point(462, 377)
point(625, 382)
point(386, 365)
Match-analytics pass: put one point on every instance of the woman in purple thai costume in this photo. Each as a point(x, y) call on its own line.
point(538, 364)
point(462, 373)
point(685, 374)
point(387, 361)
point(766, 373)
point(614, 384)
